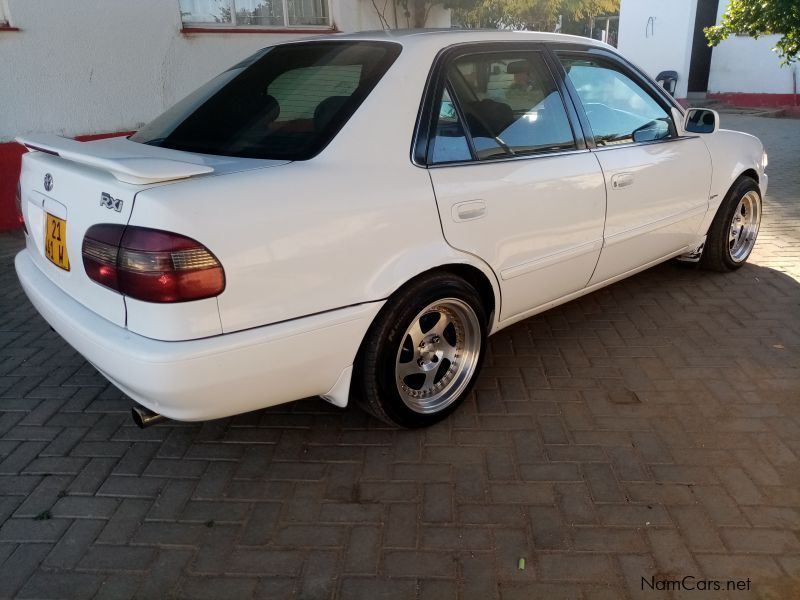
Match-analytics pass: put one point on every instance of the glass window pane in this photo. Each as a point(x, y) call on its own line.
point(259, 12)
point(449, 143)
point(206, 11)
point(286, 102)
point(308, 12)
point(511, 104)
point(618, 109)
point(300, 92)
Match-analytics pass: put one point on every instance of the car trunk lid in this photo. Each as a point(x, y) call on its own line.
point(68, 186)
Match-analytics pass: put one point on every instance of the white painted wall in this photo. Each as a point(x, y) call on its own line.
point(93, 66)
point(739, 64)
point(742, 64)
point(661, 44)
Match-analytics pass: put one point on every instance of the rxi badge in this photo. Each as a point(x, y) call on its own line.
point(109, 202)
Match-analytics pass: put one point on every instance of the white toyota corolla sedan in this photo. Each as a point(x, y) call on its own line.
point(352, 216)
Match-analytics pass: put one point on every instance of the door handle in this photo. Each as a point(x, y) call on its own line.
point(621, 180)
point(469, 210)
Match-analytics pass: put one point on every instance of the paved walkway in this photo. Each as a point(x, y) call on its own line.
point(651, 429)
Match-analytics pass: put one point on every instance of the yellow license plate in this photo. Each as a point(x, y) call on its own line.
point(55, 242)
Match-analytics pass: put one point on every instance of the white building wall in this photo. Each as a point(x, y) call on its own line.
point(92, 66)
point(743, 64)
point(656, 35)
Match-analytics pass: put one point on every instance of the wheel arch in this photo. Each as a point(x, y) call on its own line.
point(489, 293)
point(406, 267)
point(716, 255)
point(751, 173)
point(733, 155)
point(480, 276)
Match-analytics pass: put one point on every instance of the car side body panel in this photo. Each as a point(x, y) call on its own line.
point(287, 257)
point(732, 154)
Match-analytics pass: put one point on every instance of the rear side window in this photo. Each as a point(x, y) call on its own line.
point(449, 142)
point(286, 102)
point(510, 103)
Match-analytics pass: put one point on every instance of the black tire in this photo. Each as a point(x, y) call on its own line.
point(717, 251)
point(375, 383)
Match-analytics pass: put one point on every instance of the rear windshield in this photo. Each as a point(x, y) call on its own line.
point(285, 102)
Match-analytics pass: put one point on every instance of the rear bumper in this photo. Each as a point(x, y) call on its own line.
point(212, 377)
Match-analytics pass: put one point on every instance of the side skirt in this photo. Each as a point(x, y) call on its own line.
point(588, 290)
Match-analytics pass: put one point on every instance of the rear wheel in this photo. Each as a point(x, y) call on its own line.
point(422, 354)
point(733, 232)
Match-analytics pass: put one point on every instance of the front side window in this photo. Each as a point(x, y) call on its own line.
point(255, 13)
point(618, 109)
point(510, 103)
point(285, 102)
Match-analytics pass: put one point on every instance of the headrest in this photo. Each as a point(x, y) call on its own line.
point(327, 109)
point(518, 66)
point(271, 108)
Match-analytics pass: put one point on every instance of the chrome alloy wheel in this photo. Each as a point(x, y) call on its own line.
point(438, 355)
point(744, 226)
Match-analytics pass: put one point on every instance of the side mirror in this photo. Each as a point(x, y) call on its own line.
point(701, 120)
point(654, 130)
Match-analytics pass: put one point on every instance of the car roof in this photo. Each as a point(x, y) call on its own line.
point(448, 37)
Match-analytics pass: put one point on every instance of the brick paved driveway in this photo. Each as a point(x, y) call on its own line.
point(649, 429)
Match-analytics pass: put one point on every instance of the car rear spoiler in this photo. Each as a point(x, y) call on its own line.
point(128, 168)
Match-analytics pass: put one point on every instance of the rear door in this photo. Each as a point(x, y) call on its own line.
point(513, 183)
point(657, 181)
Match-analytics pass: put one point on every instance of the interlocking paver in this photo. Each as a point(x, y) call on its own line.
point(651, 429)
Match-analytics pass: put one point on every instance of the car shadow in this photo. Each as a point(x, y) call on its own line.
point(672, 331)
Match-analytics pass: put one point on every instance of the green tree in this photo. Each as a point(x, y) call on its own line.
point(488, 14)
point(529, 14)
point(762, 17)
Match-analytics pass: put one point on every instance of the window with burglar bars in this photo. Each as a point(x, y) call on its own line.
point(255, 13)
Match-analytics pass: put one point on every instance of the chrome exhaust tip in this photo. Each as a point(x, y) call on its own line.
point(144, 418)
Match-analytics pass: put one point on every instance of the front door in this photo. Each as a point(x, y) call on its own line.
point(513, 185)
point(657, 182)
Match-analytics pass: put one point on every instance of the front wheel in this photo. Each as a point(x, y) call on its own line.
point(422, 354)
point(733, 232)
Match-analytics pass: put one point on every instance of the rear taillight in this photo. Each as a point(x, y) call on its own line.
point(18, 204)
point(151, 265)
